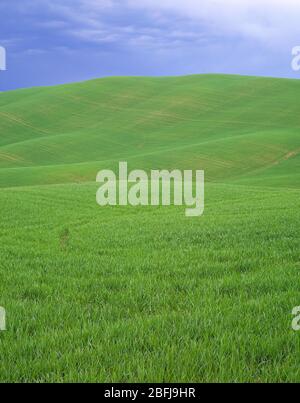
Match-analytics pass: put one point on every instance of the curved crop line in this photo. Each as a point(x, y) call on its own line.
point(22, 122)
point(139, 155)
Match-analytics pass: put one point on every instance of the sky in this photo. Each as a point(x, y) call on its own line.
point(51, 42)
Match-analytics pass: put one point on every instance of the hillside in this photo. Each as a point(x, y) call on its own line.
point(242, 129)
point(145, 294)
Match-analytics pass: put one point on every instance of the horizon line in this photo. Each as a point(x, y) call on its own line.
point(148, 77)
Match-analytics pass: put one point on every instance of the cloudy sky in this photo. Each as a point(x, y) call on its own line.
point(57, 41)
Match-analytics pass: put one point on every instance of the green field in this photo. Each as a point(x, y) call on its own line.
point(144, 294)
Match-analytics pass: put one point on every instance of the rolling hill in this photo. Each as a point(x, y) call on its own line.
point(144, 294)
point(233, 127)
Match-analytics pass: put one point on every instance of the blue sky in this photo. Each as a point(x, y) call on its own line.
point(58, 41)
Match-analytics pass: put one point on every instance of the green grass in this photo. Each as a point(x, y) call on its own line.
point(144, 294)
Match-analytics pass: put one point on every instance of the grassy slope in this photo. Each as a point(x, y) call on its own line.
point(144, 294)
point(230, 126)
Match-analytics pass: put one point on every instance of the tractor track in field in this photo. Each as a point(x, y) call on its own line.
point(22, 122)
